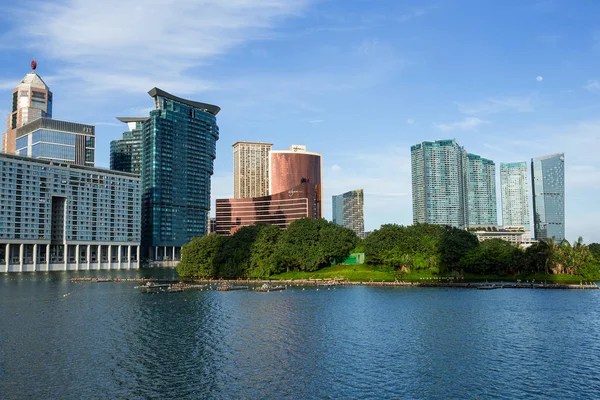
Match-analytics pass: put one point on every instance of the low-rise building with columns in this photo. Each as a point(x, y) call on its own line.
point(61, 217)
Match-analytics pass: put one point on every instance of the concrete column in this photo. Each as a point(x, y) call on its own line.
point(156, 253)
point(110, 257)
point(98, 255)
point(129, 257)
point(120, 257)
point(47, 257)
point(66, 256)
point(35, 247)
point(173, 253)
point(89, 256)
point(21, 257)
point(77, 257)
point(138, 256)
point(7, 256)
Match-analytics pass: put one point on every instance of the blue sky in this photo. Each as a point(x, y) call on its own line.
point(358, 81)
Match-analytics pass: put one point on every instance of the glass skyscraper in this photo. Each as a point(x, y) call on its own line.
point(178, 150)
point(548, 182)
point(481, 191)
point(451, 186)
point(348, 211)
point(126, 153)
point(439, 175)
point(515, 194)
point(61, 141)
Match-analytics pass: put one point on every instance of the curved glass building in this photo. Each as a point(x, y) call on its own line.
point(179, 144)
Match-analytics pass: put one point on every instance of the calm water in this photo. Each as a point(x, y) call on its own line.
point(64, 340)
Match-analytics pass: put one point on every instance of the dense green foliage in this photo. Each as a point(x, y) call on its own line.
point(259, 251)
point(262, 251)
point(441, 250)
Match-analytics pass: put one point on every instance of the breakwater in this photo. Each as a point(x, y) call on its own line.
point(339, 282)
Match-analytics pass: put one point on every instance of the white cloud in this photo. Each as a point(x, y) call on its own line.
point(336, 167)
point(493, 105)
point(539, 78)
point(316, 121)
point(592, 84)
point(134, 46)
point(465, 124)
point(410, 121)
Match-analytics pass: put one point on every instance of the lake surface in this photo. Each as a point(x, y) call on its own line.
point(65, 340)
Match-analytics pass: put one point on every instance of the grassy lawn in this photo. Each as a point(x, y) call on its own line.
point(366, 273)
point(353, 273)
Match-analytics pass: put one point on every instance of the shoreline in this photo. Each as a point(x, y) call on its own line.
point(333, 282)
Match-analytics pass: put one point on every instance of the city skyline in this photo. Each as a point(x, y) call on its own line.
point(513, 96)
point(515, 185)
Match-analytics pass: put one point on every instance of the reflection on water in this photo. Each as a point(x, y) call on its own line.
point(60, 339)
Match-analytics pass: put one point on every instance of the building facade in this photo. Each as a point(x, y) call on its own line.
point(279, 209)
point(251, 169)
point(548, 184)
point(289, 168)
point(439, 175)
point(61, 141)
point(126, 153)
point(516, 234)
point(58, 216)
point(178, 150)
point(348, 211)
point(31, 99)
point(481, 191)
point(515, 195)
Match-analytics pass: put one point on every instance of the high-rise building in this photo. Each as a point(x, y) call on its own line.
point(31, 99)
point(251, 169)
point(178, 150)
point(481, 191)
point(289, 168)
point(515, 195)
point(126, 153)
point(58, 216)
point(295, 192)
point(439, 176)
point(62, 141)
point(452, 187)
point(548, 183)
point(348, 211)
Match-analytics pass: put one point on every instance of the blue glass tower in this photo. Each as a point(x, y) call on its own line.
point(178, 150)
point(548, 181)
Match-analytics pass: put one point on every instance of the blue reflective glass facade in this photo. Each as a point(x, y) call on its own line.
point(178, 151)
point(548, 181)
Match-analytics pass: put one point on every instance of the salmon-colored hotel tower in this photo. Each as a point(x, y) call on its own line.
point(295, 187)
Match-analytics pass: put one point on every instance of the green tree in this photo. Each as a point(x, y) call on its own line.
point(264, 260)
point(594, 248)
point(455, 243)
point(494, 256)
point(199, 257)
point(235, 258)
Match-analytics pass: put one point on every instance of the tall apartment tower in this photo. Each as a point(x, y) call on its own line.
point(348, 211)
point(251, 169)
point(31, 99)
point(179, 143)
point(515, 195)
point(548, 183)
point(481, 191)
point(126, 153)
point(439, 175)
